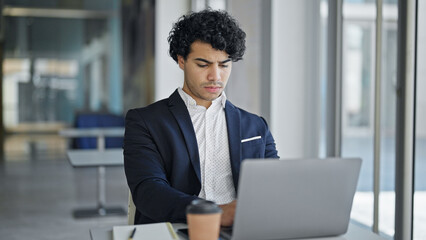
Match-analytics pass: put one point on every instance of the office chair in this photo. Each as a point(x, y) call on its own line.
point(97, 120)
point(131, 210)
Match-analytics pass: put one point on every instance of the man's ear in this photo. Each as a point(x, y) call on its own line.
point(181, 62)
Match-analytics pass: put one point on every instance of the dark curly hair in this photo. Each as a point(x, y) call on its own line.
point(217, 28)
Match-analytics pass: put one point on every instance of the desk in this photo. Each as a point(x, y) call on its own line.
point(99, 159)
point(354, 233)
point(96, 158)
point(105, 233)
point(99, 133)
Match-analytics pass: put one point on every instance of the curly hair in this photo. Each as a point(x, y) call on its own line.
point(217, 28)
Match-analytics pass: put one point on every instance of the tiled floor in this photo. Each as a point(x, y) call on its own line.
point(39, 190)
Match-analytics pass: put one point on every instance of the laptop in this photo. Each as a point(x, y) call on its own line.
point(298, 198)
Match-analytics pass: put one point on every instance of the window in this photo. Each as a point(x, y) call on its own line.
point(358, 96)
point(58, 61)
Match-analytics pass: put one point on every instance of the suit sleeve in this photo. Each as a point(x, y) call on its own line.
point(146, 176)
point(270, 148)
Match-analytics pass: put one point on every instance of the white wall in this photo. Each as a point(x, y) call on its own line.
point(295, 77)
point(244, 85)
point(168, 75)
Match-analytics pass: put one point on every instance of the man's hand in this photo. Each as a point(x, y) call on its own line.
point(228, 213)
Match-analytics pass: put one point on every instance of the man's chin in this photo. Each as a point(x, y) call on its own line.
point(212, 97)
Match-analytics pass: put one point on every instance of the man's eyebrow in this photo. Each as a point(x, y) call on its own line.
point(203, 60)
point(208, 62)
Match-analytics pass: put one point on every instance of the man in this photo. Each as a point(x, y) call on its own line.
point(191, 145)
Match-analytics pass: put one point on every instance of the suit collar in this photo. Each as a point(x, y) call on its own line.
point(189, 101)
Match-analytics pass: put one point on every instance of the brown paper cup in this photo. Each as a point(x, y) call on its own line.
point(204, 226)
point(203, 218)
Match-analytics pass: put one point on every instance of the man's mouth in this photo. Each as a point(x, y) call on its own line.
point(213, 89)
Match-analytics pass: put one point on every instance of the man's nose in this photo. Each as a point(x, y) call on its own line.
point(214, 74)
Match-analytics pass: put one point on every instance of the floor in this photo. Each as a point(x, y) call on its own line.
point(39, 190)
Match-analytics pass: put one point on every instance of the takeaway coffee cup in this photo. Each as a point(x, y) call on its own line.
point(203, 219)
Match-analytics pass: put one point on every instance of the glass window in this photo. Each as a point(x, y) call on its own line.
point(358, 97)
point(357, 75)
point(388, 108)
point(55, 66)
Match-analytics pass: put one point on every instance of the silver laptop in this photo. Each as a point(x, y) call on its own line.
point(299, 198)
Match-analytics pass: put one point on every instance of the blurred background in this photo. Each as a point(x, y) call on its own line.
point(310, 69)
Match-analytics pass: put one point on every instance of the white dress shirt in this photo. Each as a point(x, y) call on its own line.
point(212, 139)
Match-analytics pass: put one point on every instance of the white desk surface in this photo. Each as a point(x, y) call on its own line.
point(93, 132)
point(354, 233)
point(95, 158)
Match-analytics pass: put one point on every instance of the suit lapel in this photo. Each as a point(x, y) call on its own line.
point(234, 139)
point(180, 112)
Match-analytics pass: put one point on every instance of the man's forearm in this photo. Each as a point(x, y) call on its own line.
point(160, 202)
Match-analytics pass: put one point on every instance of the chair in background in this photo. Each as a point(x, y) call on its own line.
point(131, 210)
point(97, 120)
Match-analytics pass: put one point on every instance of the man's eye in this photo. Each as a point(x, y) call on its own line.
point(224, 66)
point(201, 65)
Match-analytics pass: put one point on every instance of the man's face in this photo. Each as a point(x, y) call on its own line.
point(206, 72)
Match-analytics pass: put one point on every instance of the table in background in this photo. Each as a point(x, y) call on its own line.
point(99, 133)
point(99, 159)
point(96, 158)
point(354, 233)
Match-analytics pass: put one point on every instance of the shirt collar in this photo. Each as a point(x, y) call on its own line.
point(189, 101)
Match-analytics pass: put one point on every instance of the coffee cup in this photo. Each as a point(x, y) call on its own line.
point(203, 218)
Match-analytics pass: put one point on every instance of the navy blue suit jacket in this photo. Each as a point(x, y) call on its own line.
point(161, 158)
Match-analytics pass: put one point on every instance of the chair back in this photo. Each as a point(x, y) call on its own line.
point(97, 120)
point(131, 210)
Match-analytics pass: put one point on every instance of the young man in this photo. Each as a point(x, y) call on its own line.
point(191, 144)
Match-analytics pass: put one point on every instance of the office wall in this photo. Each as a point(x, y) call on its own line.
point(244, 85)
point(138, 38)
point(295, 77)
point(168, 75)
